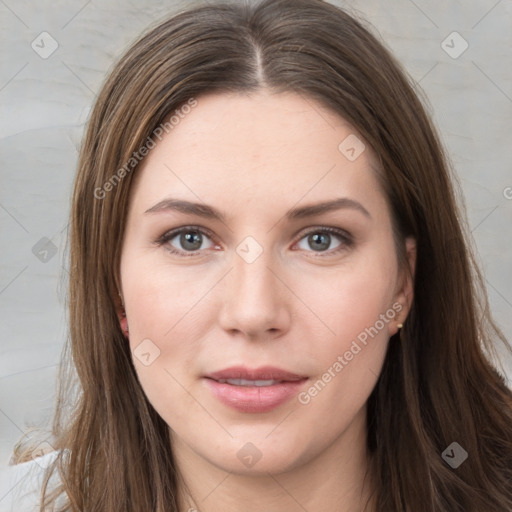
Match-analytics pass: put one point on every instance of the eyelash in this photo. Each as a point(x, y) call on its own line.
point(345, 239)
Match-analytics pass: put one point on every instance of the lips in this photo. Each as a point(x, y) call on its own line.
point(254, 390)
point(264, 373)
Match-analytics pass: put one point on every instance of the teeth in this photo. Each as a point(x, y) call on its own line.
point(244, 382)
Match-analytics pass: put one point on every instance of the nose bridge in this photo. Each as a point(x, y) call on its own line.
point(254, 281)
point(254, 302)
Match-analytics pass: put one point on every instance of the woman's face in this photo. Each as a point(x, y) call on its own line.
point(260, 281)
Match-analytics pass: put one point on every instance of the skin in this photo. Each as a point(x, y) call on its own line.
point(254, 158)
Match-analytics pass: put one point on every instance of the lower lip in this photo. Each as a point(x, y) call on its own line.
point(255, 399)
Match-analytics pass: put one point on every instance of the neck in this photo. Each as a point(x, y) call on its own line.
point(336, 479)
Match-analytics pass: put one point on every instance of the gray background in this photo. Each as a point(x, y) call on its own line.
point(45, 102)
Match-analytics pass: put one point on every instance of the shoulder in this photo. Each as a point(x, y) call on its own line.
point(20, 484)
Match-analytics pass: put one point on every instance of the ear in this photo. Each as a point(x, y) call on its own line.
point(121, 315)
point(405, 290)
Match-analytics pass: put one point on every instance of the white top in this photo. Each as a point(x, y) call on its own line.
point(20, 484)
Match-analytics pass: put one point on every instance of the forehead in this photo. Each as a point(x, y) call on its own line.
point(260, 150)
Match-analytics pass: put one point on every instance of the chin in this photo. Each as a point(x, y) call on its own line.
point(256, 456)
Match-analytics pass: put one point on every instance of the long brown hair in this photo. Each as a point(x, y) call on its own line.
point(438, 384)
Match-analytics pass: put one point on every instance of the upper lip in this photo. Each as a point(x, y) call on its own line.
point(263, 373)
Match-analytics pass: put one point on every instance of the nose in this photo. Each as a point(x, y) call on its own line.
point(255, 302)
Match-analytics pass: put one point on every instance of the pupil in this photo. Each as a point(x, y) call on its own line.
point(319, 241)
point(191, 240)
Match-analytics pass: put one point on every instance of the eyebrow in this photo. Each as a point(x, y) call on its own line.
point(203, 210)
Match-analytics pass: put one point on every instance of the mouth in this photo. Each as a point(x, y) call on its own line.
point(249, 383)
point(254, 390)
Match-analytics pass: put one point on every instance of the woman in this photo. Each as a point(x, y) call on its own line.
point(272, 303)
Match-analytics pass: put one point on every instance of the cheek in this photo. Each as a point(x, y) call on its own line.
point(167, 312)
point(160, 298)
point(354, 313)
point(351, 299)
point(357, 341)
point(159, 311)
point(348, 364)
point(164, 344)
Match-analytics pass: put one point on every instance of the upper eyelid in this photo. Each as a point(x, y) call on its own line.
point(328, 229)
point(176, 231)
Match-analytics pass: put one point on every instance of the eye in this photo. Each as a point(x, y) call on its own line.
point(185, 240)
point(325, 240)
point(191, 240)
